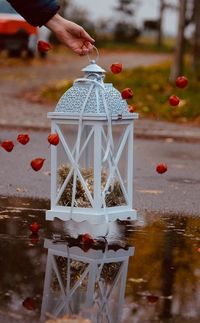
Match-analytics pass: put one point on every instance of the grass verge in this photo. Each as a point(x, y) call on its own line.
point(151, 92)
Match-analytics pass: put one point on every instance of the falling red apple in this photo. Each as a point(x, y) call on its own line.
point(116, 68)
point(161, 168)
point(174, 100)
point(181, 82)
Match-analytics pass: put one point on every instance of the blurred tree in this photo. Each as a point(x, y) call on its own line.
point(104, 31)
point(126, 7)
point(177, 66)
point(196, 47)
point(163, 6)
point(77, 14)
point(125, 29)
point(63, 6)
point(81, 16)
point(157, 24)
point(160, 23)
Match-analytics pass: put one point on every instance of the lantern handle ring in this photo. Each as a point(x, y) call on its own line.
point(97, 56)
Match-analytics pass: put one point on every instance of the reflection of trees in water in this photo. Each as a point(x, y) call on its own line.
point(187, 265)
point(22, 265)
point(21, 277)
point(167, 260)
point(168, 271)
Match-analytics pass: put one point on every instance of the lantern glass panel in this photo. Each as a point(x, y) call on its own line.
point(86, 160)
point(114, 168)
point(74, 151)
point(77, 268)
point(121, 148)
point(65, 153)
point(109, 284)
point(106, 290)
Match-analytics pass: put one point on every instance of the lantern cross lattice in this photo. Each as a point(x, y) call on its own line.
point(91, 288)
point(74, 165)
point(113, 164)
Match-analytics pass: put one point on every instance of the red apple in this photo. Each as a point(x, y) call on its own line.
point(181, 82)
point(23, 138)
point(34, 227)
point(34, 238)
point(53, 139)
point(174, 100)
point(87, 239)
point(37, 164)
point(29, 304)
point(7, 145)
point(131, 108)
point(116, 68)
point(152, 299)
point(43, 46)
point(161, 168)
point(127, 93)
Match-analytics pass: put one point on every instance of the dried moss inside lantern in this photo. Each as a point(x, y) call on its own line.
point(114, 196)
point(108, 273)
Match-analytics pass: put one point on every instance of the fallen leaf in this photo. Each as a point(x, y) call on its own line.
point(47, 173)
point(155, 192)
point(137, 280)
point(4, 216)
point(21, 190)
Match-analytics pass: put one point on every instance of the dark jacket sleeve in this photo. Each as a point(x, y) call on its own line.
point(36, 12)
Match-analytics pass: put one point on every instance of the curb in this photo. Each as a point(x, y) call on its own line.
point(182, 134)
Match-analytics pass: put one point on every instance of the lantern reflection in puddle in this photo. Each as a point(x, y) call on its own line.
point(92, 167)
point(89, 283)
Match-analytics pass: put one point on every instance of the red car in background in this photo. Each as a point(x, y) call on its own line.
point(16, 35)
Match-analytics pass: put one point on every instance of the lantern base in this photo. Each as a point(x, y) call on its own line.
point(93, 218)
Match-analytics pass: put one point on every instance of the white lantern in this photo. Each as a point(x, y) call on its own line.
point(89, 283)
point(92, 167)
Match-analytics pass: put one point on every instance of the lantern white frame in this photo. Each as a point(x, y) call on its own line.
point(95, 214)
point(95, 259)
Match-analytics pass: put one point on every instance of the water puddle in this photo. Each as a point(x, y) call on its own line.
point(146, 271)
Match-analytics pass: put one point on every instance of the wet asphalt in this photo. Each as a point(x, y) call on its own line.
point(177, 191)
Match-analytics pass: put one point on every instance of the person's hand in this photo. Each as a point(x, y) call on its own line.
point(71, 34)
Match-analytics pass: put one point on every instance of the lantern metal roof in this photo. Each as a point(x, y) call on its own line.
point(93, 99)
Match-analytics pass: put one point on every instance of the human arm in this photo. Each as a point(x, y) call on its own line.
point(36, 12)
point(71, 34)
point(44, 12)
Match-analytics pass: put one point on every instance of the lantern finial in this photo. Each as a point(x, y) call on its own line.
point(93, 67)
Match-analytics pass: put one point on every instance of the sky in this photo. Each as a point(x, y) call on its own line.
point(147, 9)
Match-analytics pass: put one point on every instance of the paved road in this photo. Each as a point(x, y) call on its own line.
point(176, 191)
point(15, 79)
